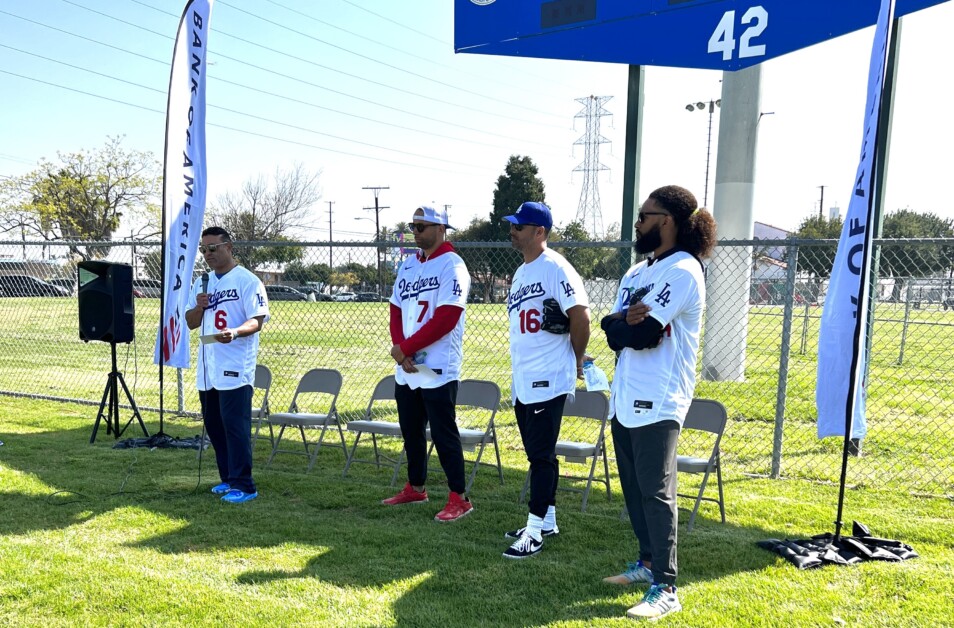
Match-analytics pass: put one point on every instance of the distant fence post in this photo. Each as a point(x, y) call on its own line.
point(181, 391)
point(791, 258)
point(907, 316)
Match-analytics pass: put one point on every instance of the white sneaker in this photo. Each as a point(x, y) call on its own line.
point(524, 547)
point(655, 603)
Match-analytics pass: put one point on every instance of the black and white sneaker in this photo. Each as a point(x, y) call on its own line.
point(516, 534)
point(524, 547)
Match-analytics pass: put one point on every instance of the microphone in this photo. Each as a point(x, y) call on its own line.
point(205, 282)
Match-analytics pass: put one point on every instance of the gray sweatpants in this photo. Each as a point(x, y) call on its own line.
point(646, 459)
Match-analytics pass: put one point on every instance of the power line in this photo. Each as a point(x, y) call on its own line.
point(322, 66)
point(414, 30)
point(242, 131)
point(401, 50)
point(276, 73)
point(384, 63)
point(256, 117)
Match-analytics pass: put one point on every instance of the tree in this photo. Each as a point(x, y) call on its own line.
point(518, 184)
point(914, 260)
point(485, 264)
point(268, 211)
point(312, 273)
point(84, 196)
point(583, 259)
point(817, 260)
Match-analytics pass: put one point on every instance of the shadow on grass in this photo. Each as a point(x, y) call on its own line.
point(449, 573)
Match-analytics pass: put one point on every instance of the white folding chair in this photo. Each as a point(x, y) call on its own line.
point(325, 384)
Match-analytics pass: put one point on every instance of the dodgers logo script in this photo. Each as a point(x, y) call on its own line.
point(221, 296)
point(524, 293)
point(633, 294)
point(408, 289)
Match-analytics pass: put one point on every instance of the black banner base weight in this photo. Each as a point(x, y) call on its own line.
point(825, 549)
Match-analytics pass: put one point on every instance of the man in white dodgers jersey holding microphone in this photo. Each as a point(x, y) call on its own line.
point(549, 330)
point(427, 329)
point(231, 304)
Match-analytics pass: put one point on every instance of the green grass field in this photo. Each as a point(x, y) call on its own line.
point(94, 536)
point(910, 409)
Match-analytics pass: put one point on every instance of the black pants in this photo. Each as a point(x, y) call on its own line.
point(228, 422)
point(437, 406)
point(646, 459)
point(539, 425)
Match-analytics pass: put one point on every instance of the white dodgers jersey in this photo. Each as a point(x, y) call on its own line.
point(234, 298)
point(543, 363)
point(657, 384)
point(420, 288)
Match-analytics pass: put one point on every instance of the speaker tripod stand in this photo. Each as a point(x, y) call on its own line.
point(111, 401)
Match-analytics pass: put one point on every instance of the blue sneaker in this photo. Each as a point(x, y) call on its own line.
point(236, 496)
point(221, 489)
point(635, 572)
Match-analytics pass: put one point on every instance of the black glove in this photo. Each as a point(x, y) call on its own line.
point(554, 320)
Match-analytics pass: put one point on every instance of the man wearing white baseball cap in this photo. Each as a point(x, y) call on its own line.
point(427, 329)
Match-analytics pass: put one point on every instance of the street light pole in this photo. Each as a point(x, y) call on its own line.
point(699, 106)
point(377, 232)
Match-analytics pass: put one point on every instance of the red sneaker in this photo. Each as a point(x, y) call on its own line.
point(456, 508)
point(407, 496)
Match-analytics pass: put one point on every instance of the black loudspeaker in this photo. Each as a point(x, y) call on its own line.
point(106, 310)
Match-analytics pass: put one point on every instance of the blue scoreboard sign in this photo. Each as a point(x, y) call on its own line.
point(707, 34)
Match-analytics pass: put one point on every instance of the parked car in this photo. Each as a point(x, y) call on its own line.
point(26, 286)
point(368, 297)
point(151, 288)
point(67, 284)
point(284, 293)
point(345, 296)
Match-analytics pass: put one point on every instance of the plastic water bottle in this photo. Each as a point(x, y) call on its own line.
point(594, 377)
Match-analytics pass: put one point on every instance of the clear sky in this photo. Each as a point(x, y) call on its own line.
point(371, 93)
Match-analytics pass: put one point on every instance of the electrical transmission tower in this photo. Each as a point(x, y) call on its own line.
point(588, 213)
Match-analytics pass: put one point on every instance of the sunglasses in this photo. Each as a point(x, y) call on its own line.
point(420, 226)
point(517, 227)
point(641, 217)
point(211, 248)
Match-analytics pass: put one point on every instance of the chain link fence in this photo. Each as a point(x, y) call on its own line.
point(758, 356)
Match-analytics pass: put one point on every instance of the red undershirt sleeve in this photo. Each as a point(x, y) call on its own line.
point(444, 319)
point(397, 328)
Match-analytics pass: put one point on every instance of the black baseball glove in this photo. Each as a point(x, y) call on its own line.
point(554, 320)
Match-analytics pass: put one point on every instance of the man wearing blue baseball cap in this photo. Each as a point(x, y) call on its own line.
point(549, 329)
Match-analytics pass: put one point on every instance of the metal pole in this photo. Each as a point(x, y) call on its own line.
point(781, 388)
point(631, 159)
point(331, 238)
point(705, 197)
point(804, 345)
point(907, 316)
point(181, 390)
point(377, 249)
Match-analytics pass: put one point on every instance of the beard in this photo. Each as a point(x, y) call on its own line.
point(649, 241)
